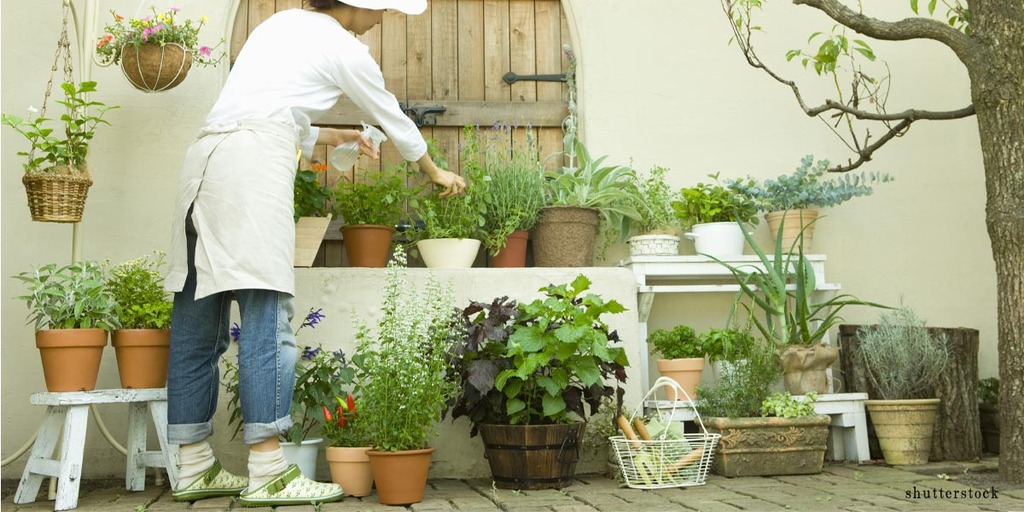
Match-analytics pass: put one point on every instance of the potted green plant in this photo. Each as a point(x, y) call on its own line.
point(763, 433)
point(579, 197)
point(515, 190)
point(798, 196)
point(401, 379)
point(780, 291)
point(371, 205)
point(56, 177)
point(903, 359)
point(657, 229)
point(988, 413)
point(726, 347)
point(526, 375)
point(157, 51)
point(142, 344)
point(453, 226)
point(319, 377)
point(682, 359)
point(712, 212)
point(72, 311)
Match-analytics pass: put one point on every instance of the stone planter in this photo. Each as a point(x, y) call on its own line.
point(769, 446)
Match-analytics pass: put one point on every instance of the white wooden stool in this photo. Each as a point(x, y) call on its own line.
point(848, 432)
point(70, 411)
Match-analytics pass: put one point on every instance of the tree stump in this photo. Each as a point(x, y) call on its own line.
point(957, 434)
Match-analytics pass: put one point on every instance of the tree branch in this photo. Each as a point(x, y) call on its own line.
point(911, 114)
point(910, 28)
point(864, 155)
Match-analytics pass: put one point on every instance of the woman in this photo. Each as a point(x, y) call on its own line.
point(234, 234)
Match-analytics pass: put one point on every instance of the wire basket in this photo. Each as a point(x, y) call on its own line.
point(668, 459)
point(57, 196)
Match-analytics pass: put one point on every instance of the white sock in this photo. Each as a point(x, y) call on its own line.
point(195, 459)
point(265, 466)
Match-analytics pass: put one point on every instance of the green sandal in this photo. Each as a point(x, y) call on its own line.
point(291, 488)
point(213, 483)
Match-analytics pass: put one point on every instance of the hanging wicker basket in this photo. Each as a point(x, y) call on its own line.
point(57, 196)
point(154, 68)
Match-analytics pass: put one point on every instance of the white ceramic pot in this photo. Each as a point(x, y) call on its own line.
point(449, 252)
point(718, 239)
point(304, 455)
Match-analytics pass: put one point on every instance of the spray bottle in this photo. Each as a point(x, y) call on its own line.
point(345, 156)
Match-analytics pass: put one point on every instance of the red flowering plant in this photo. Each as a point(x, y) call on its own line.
point(342, 427)
point(320, 376)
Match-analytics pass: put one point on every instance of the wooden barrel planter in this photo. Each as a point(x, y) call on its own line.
point(530, 457)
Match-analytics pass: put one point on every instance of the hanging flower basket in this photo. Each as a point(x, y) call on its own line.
point(57, 196)
point(153, 68)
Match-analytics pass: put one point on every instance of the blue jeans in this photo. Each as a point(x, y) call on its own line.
point(266, 359)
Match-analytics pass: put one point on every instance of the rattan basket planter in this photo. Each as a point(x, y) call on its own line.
point(57, 196)
point(155, 68)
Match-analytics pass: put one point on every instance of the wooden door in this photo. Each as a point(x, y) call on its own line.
point(453, 56)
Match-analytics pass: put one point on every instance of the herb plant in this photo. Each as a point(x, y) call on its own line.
point(712, 202)
point(138, 288)
point(457, 216)
point(515, 192)
point(902, 357)
point(537, 363)
point(344, 427)
point(79, 127)
point(726, 344)
point(807, 187)
point(783, 405)
point(74, 296)
point(678, 343)
point(375, 198)
point(654, 204)
point(312, 198)
point(401, 365)
point(740, 393)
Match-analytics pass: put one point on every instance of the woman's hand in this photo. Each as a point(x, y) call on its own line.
point(336, 137)
point(453, 183)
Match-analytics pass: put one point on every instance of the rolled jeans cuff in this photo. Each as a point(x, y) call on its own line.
point(188, 433)
point(253, 433)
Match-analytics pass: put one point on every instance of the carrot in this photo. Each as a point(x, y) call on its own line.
point(628, 431)
point(641, 429)
point(687, 459)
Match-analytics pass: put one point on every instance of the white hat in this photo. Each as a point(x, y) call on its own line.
point(406, 6)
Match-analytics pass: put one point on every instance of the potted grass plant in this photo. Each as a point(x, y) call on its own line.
point(72, 311)
point(527, 374)
point(657, 229)
point(515, 190)
point(401, 379)
point(142, 344)
point(903, 359)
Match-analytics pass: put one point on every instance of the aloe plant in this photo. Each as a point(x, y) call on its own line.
point(782, 291)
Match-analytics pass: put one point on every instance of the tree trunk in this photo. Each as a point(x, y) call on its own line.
point(997, 72)
point(957, 432)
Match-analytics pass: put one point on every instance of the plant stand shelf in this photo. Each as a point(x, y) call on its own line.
point(68, 412)
point(848, 431)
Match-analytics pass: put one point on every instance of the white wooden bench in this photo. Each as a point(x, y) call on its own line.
point(68, 412)
point(848, 432)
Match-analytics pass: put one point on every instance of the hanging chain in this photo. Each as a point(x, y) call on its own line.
point(63, 46)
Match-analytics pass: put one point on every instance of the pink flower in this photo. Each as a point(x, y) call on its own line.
point(204, 51)
point(175, 10)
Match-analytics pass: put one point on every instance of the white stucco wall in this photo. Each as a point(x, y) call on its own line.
point(659, 85)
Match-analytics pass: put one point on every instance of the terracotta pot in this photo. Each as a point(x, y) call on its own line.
point(367, 245)
point(142, 356)
point(513, 255)
point(564, 237)
point(449, 252)
point(904, 428)
point(155, 68)
point(400, 476)
point(686, 372)
point(795, 221)
point(532, 456)
point(71, 357)
point(350, 468)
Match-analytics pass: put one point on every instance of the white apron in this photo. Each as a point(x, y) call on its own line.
point(238, 177)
